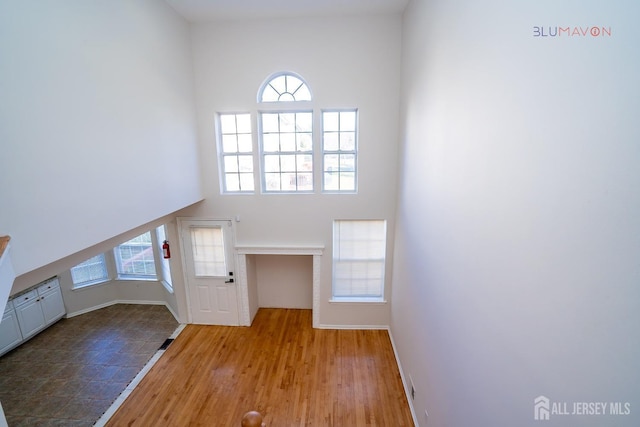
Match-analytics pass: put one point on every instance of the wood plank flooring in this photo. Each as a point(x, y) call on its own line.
point(293, 374)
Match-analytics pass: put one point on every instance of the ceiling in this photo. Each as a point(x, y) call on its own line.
point(219, 10)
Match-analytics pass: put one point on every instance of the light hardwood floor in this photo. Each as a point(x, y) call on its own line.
point(293, 374)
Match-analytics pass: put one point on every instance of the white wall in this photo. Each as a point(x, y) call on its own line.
point(284, 281)
point(517, 241)
point(348, 62)
point(97, 123)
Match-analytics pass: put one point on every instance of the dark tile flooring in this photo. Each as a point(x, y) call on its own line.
point(71, 373)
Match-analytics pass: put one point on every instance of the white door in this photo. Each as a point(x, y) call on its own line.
point(208, 265)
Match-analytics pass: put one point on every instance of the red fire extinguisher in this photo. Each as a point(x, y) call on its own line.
point(166, 251)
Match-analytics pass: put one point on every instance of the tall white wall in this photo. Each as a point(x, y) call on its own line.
point(517, 267)
point(348, 63)
point(97, 123)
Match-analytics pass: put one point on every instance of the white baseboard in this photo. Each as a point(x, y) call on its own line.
point(407, 392)
point(356, 327)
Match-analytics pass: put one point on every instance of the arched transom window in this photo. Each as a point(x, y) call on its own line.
point(284, 87)
point(286, 141)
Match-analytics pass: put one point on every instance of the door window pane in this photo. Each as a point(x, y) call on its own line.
point(207, 246)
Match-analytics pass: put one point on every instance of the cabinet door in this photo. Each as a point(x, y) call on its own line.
point(30, 318)
point(10, 335)
point(52, 305)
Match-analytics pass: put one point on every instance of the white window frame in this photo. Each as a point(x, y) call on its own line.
point(378, 257)
point(92, 282)
point(223, 155)
point(340, 152)
point(264, 154)
point(121, 275)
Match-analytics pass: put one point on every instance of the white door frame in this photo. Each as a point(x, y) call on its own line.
point(232, 244)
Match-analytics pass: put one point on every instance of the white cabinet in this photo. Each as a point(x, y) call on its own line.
point(51, 301)
point(31, 312)
point(10, 335)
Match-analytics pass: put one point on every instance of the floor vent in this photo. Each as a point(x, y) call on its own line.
point(166, 344)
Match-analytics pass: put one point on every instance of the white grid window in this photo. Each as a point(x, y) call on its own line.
point(236, 152)
point(287, 151)
point(339, 150)
point(134, 258)
point(359, 249)
point(91, 271)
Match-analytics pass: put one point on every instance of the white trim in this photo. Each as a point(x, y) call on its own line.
point(355, 327)
point(279, 250)
point(407, 391)
point(357, 300)
point(243, 287)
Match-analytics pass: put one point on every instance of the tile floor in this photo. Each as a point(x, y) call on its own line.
point(70, 374)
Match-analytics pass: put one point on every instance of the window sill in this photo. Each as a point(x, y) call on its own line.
point(136, 279)
point(89, 285)
point(355, 300)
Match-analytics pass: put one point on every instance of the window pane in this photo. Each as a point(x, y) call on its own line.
point(245, 163)
point(232, 181)
point(304, 122)
point(245, 144)
point(305, 181)
point(243, 123)
point(347, 181)
point(359, 258)
point(246, 181)
point(231, 164)
point(331, 181)
point(288, 142)
point(304, 142)
point(347, 141)
point(272, 163)
point(330, 121)
point(229, 143)
point(272, 181)
point(304, 162)
point(270, 122)
point(228, 123)
point(279, 150)
point(134, 258)
point(92, 270)
point(347, 162)
point(287, 122)
point(339, 136)
point(207, 246)
point(235, 137)
point(347, 121)
point(288, 163)
point(271, 142)
point(331, 141)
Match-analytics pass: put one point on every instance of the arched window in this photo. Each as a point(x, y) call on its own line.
point(284, 87)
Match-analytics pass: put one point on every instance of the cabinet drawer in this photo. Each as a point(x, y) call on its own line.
point(25, 298)
point(48, 286)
